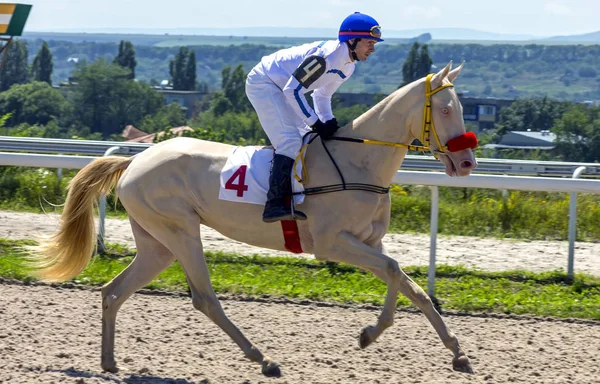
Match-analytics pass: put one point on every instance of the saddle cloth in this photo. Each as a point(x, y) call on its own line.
point(245, 176)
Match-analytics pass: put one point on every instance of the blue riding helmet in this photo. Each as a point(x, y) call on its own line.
point(359, 26)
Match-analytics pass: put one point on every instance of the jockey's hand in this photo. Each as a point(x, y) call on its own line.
point(325, 129)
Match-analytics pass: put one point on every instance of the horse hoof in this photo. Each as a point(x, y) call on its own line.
point(112, 368)
point(270, 368)
point(365, 340)
point(462, 364)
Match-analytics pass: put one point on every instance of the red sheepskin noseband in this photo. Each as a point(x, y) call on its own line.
point(464, 141)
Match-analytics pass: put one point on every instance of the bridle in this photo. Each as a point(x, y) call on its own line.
point(463, 141)
point(427, 130)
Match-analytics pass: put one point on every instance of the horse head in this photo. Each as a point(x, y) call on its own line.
point(442, 129)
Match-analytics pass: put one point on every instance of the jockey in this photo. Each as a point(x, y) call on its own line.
point(276, 88)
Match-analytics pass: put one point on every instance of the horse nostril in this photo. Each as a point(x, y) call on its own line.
point(466, 164)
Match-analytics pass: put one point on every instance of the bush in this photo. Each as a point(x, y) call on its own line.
point(587, 72)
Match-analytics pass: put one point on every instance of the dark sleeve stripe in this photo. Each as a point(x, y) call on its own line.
point(299, 100)
point(338, 72)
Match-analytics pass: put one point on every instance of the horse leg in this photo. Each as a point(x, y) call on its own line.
point(357, 253)
point(152, 258)
point(417, 296)
point(188, 250)
point(388, 270)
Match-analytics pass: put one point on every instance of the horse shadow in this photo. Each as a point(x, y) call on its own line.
point(130, 379)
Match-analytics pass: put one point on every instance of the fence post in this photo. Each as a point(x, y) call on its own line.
point(573, 225)
point(435, 199)
point(102, 207)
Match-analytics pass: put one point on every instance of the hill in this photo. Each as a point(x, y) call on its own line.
point(311, 33)
point(587, 37)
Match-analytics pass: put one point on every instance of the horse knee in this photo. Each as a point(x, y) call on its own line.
point(198, 303)
point(110, 301)
point(413, 291)
point(206, 304)
point(423, 299)
point(393, 270)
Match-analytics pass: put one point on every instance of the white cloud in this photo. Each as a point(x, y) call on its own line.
point(555, 8)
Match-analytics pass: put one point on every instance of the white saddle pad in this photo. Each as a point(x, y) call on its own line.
point(245, 176)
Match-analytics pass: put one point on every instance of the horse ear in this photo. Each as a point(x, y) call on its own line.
point(436, 81)
point(454, 73)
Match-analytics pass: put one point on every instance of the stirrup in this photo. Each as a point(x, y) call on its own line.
point(280, 213)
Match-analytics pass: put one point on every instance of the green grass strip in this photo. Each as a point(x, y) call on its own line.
point(457, 288)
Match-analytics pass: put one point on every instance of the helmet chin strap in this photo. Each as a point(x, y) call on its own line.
point(352, 47)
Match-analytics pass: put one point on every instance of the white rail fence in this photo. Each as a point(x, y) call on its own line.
point(573, 185)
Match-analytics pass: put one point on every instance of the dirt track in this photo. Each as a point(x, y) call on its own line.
point(52, 335)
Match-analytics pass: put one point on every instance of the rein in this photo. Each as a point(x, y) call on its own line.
point(464, 141)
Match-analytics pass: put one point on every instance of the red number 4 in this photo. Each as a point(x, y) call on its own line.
point(240, 186)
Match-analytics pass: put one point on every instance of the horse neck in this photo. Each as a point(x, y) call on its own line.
point(393, 120)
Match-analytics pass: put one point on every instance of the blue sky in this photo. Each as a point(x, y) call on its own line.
point(531, 17)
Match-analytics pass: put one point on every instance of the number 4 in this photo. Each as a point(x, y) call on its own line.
point(240, 186)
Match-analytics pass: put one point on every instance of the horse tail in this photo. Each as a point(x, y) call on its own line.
point(65, 254)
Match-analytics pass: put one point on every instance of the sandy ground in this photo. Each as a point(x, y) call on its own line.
point(52, 335)
point(408, 249)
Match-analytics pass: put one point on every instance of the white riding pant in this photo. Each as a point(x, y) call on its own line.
point(279, 121)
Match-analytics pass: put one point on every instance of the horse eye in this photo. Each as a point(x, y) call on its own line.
point(445, 111)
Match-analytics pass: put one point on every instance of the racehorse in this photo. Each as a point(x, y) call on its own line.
point(172, 187)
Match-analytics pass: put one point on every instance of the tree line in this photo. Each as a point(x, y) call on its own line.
point(568, 72)
point(107, 98)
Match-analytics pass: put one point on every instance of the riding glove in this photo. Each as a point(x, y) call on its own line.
point(325, 129)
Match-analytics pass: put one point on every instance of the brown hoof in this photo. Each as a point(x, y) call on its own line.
point(112, 368)
point(462, 364)
point(365, 340)
point(270, 368)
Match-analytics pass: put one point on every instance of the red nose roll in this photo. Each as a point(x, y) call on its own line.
point(464, 141)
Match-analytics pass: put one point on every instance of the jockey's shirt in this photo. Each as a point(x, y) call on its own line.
point(279, 67)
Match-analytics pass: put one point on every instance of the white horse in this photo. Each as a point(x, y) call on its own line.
point(171, 188)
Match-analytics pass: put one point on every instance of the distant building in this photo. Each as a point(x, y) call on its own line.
point(543, 140)
point(483, 111)
point(186, 99)
point(522, 140)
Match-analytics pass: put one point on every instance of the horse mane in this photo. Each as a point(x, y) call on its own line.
point(390, 99)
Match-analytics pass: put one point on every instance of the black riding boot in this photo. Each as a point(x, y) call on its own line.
point(280, 187)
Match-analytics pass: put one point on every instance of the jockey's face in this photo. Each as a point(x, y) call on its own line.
point(365, 48)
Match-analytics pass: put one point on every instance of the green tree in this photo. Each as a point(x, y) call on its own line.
point(15, 69)
point(417, 64)
point(168, 116)
point(425, 62)
point(536, 114)
point(34, 103)
point(126, 57)
point(190, 72)
point(233, 84)
point(578, 134)
point(183, 70)
point(42, 66)
point(106, 100)
point(220, 104)
point(240, 128)
point(3, 120)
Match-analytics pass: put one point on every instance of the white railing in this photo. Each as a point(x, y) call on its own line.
point(411, 162)
point(432, 179)
point(520, 183)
